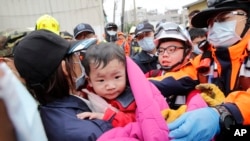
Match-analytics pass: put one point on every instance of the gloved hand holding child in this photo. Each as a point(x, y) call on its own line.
point(191, 125)
point(211, 94)
point(170, 115)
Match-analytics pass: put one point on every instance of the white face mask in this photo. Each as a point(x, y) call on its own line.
point(223, 34)
point(111, 32)
point(80, 81)
point(197, 50)
point(147, 43)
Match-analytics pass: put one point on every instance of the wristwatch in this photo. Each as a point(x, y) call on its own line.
point(226, 118)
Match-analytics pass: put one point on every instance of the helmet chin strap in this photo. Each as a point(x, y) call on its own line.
point(170, 68)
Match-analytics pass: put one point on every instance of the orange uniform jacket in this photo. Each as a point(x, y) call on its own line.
point(126, 47)
point(229, 61)
point(180, 82)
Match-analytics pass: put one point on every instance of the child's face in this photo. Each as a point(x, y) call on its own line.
point(108, 82)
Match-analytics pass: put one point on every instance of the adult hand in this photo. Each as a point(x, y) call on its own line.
point(197, 125)
point(90, 115)
point(98, 104)
point(211, 94)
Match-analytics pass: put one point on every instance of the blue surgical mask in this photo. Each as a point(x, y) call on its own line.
point(147, 44)
point(80, 81)
point(223, 34)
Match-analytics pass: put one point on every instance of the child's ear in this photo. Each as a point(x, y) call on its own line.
point(64, 68)
point(89, 82)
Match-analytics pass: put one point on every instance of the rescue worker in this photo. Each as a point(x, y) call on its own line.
point(123, 43)
point(110, 32)
point(146, 59)
point(134, 47)
point(111, 35)
point(174, 79)
point(84, 31)
point(229, 35)
point(8, 47)
point(48, 22)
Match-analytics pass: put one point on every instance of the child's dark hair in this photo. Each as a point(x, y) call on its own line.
point(102, 54)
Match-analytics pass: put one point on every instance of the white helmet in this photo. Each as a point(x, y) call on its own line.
point(170, 30)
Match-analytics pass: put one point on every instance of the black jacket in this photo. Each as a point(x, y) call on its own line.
point(145, 61)
point(61, 124)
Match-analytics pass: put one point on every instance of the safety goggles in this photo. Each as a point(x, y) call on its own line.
point(81, 54)
point(213, 3)
point(225, 16)
point(165, 28)
point(111, 28)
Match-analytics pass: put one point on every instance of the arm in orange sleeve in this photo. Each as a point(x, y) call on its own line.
point(180, 82)
point(122, 117)
point(127, 48)
point(238, 104)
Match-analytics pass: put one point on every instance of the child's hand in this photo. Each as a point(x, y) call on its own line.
point(90, 115)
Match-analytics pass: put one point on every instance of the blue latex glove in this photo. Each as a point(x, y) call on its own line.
point(196, 125)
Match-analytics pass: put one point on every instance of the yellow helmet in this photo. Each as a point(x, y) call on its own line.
point(49, 23)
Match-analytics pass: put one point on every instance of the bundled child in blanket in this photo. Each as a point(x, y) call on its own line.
point(109, 89)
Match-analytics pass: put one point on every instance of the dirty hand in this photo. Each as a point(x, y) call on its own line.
point(170, 115)
point(211, 94)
